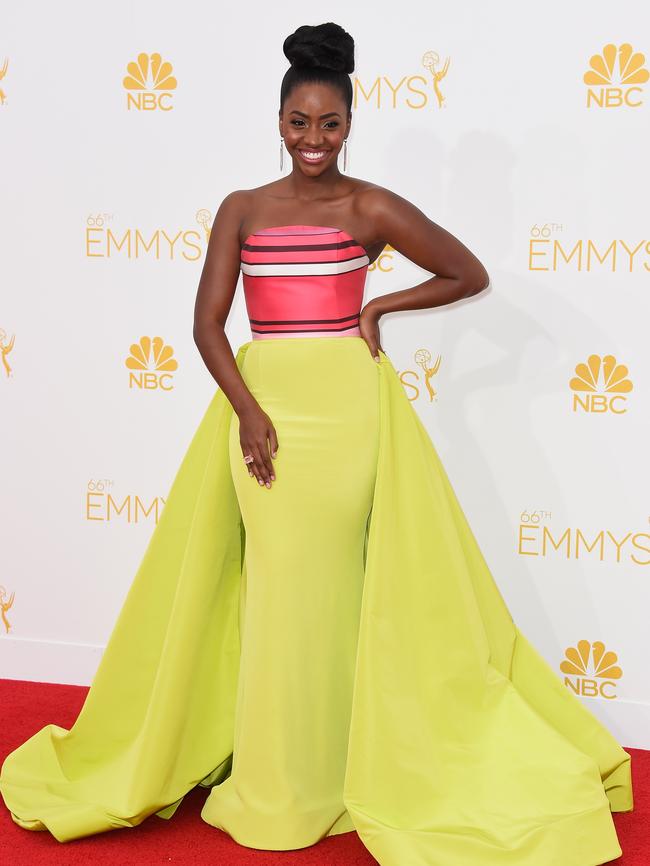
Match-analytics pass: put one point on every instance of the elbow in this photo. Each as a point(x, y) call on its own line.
point(203, 330)
point(197, 335)
point(475, 283)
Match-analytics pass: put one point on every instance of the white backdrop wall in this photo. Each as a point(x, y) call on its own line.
point(538, 388)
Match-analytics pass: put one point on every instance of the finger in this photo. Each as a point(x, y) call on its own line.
point(272, 448)
point(267, 465)
point(273, 438)
point(261, 469)
point(255, 465)
point(245, 450)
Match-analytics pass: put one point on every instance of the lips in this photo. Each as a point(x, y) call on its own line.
point(317, 157)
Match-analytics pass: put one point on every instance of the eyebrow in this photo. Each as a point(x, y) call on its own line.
point(329, 114)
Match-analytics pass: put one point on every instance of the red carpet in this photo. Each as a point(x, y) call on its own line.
point(186, 838)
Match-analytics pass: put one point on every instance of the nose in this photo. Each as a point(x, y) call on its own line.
point(312, 140)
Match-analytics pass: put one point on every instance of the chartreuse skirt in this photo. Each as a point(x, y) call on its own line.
point(328, 655)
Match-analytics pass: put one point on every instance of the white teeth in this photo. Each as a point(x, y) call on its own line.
point(312, 155)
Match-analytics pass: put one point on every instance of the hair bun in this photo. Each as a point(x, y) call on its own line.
point(322, 45)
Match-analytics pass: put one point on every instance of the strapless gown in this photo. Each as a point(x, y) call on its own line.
point(331, 654)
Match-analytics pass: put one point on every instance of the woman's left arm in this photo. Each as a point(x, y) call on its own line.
point(457, 271)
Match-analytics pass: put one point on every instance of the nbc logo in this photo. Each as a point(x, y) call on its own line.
point(614, 76)
point(149, 83)
point(591, 670)
point(151, 363)
point(384, 261)
point(599, 385)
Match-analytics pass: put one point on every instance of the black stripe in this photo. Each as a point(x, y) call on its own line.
point(297, 330)
point(264, 248)
point(302, 321)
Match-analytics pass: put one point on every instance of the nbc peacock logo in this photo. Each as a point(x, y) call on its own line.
point(615, 76)
point(151, 364)
point(591, 670)
point(149, 83)
point(384, 261)
point(600, 385)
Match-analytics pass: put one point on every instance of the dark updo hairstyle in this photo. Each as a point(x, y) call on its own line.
point(323, 53)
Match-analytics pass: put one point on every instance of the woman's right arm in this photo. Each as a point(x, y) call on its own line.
point(214, 298)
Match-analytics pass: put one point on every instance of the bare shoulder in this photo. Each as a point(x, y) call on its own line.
point(375, 202)
point(387, 214)
point(236, 202)
point(244, 202)
point(233, 212)
point(250, 197)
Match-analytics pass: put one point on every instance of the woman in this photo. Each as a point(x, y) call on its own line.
point(313, 632)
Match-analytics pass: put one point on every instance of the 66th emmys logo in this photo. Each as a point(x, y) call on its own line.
point(412, 380)
point(413, 91)
point(6, 345)
point(105, 505)
point(614, 76)
point(6, 601)
point(538, 535)
point(3, 72)
point(591, 670)
point(600, 385)
point(105, 239)
point(552, 250)
point(149, 83)
point(151, 363)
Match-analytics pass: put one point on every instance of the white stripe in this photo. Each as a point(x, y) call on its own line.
point(303, 269)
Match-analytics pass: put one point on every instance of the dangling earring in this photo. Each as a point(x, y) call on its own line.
point(281, 152)
point(345, 153)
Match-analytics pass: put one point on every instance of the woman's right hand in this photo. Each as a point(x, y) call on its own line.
point(257, 436)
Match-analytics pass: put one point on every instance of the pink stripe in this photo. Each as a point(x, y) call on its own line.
point(314, 296)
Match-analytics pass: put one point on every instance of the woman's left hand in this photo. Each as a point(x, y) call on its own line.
point(369, 327)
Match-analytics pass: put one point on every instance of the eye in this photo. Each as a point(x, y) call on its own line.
point(334, 123)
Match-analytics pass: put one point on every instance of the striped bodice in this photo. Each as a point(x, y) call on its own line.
point(303, 281)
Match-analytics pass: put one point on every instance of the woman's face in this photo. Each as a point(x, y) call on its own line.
point(314, 121)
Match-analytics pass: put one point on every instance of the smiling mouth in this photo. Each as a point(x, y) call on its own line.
point(312, 155)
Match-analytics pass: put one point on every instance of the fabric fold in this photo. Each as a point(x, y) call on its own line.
point(464, 745)
point(158, 717)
